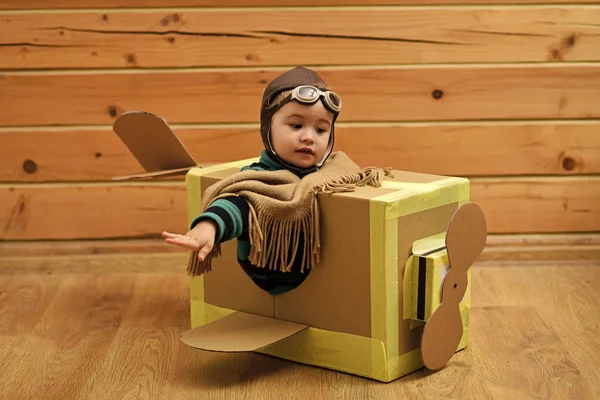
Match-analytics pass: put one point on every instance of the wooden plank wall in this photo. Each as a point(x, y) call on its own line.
point(505, 92)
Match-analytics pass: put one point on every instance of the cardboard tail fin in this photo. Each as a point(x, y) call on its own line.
point(240, 332)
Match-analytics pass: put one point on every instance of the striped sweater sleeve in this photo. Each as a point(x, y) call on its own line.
point(230, 214)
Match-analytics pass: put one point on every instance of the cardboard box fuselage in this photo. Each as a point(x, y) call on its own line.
point(353, 301)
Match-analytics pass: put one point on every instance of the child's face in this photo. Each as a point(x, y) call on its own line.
point(300, 133)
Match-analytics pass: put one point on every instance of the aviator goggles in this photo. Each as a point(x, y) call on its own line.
point(308, 94)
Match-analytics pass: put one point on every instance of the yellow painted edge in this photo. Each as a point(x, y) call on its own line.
point(219, 167)
point(193, 193)
point(392, 301)
point(409, 185)
point(377, 271)
point(405, 364)
point(467, 298)
point(430, 195)
point(464, 194)
point(439, 260)
point(409, 288)
point(429, 286)
point(429, 243)
point(193, 184)
point(465, 315)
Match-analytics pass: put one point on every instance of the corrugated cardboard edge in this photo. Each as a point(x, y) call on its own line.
point(155, 174)
point(240, 332)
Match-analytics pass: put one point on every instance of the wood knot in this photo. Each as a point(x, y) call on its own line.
point(98, 155)
point(171, 39)
point(437, 94)
point(566, 44)
point(94, 53)
point(568, 163)
point(29, 166)
point(556, 55)
point(175, 18)
point(112, 111)
point(252, 57)
point(164, 21)
point(570, 40)
point(131, 58)
point(104, 17)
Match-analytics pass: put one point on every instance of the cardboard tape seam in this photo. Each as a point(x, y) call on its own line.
point(220, 167)
point(423, 196)
point(193, 182)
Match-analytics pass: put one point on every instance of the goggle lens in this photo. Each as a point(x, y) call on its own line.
point(335, 99)
point(308, 93)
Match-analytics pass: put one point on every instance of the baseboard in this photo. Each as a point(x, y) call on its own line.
point(542, 247)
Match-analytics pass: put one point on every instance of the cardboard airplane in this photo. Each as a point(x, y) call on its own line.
point(432, 282)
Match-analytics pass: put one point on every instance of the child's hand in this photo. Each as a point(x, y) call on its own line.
point(201, 238)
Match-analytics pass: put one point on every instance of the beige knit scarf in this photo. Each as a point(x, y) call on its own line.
point(283, 207)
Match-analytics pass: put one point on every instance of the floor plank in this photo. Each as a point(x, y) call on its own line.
point(77, 333)
point(70, 340)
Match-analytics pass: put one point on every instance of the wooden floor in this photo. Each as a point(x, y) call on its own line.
point(108, 326)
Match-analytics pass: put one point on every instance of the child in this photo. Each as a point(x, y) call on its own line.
point(270, 205)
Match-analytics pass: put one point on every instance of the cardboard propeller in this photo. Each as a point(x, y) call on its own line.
point(465, 239)
point(153, 144)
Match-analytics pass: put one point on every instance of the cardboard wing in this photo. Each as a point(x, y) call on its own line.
point(240, 332)
point(152, 142)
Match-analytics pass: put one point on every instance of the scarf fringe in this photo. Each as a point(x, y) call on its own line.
point(196, 267)
point(270, 245)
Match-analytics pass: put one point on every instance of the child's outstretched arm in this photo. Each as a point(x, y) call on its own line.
point(225, 219)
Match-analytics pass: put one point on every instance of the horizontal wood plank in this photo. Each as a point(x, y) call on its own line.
point(258, 37)
point(369, 94)
point(539, 204)
point(61, 4)
point(139, 263)
point(30, 212)
point(98, 211)
point(470, 149)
